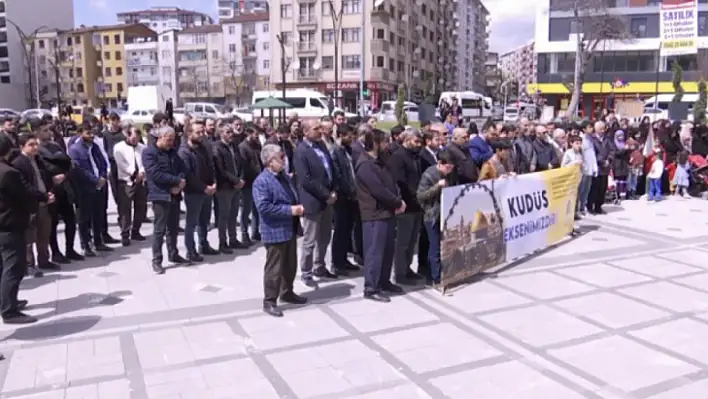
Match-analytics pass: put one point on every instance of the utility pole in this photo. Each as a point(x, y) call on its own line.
point(362, 70)
point(337, 27)
point(284, 65)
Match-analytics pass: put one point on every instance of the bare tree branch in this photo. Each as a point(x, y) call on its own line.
point(239, 80)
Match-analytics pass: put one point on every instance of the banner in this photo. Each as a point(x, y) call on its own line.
point(486, 224)
point(678, 26)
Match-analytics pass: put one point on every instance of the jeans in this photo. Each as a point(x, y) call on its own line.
point(583, 193)
point(249, 213)
point(92, 211)
point(379, 238)
point(165, 226)
point(433, 231)
point(654, 190)
point(407, 230)
point(196, 220)
point(228, 201)
point(13, 247)
point(632, 180)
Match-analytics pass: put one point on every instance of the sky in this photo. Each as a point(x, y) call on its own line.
point(511, 25)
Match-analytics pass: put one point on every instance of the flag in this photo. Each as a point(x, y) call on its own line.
point(649, 144)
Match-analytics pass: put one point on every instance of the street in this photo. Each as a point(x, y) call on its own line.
point(619, 312)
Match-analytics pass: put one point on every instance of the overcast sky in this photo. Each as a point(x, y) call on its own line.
point(512, 23)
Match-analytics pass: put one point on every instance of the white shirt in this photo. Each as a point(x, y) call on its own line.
point(657, 169)
point(127, 157)
point(92, 161)
point(435, 156)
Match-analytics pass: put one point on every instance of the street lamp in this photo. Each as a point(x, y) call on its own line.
point(284, 65)
point(337, 28)
point(28, 51)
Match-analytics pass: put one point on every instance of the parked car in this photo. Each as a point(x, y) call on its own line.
point(4, 112)
point(141, 116)
point(244, 113)
point(35, 113)
point(389, 115)
point(178, 115)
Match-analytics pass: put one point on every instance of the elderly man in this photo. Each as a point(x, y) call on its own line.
point(316, 183)
point(465, 168)
point(605, 154)
point(280, 210)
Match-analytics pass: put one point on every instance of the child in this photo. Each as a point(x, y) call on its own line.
point(681, 176)
point(654, 177)
point(636, 166)
point(574, 156)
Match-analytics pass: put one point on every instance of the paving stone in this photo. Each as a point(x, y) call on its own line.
point(611, 310)
point(669, 296)
point(654, 266)
point(603, 275)
point(683, 336)
point(368, 316)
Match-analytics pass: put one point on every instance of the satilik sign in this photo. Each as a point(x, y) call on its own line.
point(678, 27)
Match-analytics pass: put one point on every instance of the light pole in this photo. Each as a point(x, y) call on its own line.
point(362, 67)
point(337, 28)
point(284, 65)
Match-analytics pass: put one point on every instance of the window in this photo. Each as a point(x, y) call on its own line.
point(4, 79)
point(327, 35)
point(327, 62)
point(40, 43)
point(351, 61)
point(200, 38)
point(266, 28)
point(3, 23)
point(326, 9)
point(108, 87)
point(106, 55)
point(108, 72)
point(287, 37)
point(68, 41)
point(232, 48)
point(77, 40)
point(215, 54)
point(266, 81)
point(351, 35)
point(351, 7)
point(119, 71)
point(4, 66)
point(106, 40)
point(638, 26)
point(79, 72)
point(166, 54)
point(566, 62)
point(80, 87)
point(165, 38)
point(119, 56)
point(116, 38)
point(232, 30)
point(702, 25)
point(687, 62)
point(286, 11)
point(379, 62)
point(119, 87)
point(266, 64)
point(266, 46)
point(2, 6)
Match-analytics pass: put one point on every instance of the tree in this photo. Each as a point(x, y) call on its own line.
point(699, 108)
point(240, 81)
point(677, 78)
point(593, 22)
point(401, 116)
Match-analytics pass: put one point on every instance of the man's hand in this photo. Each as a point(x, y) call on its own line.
point(402, 208)
point(240, 184)
point(297, 210)
point(442, 183)
point(58, 179)
point(332, 198)
point(182, 183)
point(140, 177)
point(51, 198)
point(532, 168)
point(101, 182)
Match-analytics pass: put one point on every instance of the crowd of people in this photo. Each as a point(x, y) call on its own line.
point(372, 198)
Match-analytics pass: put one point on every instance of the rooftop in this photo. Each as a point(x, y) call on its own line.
point(160, 11)
point(243, 18)
point(138, 29)
point(201, 29)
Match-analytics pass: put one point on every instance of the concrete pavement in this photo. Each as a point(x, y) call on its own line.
point(620, 312)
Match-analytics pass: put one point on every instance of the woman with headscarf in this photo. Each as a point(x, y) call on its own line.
point(620, 163)
point(671, 143)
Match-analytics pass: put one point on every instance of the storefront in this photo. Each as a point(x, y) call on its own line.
point(348, 91)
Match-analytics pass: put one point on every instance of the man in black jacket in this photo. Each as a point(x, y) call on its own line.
point(112, 134)
point(404, 166)
point(346, 210)
point(605, 153)
point(250, 150)
point(17, 204)
point(229, 182)
point(465, 169)
point(379, 202)
point(200, 187)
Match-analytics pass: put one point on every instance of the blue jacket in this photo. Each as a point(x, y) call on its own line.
point(84, 174)
point(163, 170)
point(480, 150)
point(273, 205)
point(313, 184)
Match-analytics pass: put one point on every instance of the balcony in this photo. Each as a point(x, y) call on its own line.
point(380, 74)
point(140, 61)
point(307, 74)
point(307, 47)
point(380, 46)
point(307, 21)
point(380, 16)
point(250, 55)
point(248, 36)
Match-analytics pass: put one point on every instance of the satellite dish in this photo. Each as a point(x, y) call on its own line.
point(378, 3)
point(316, 66)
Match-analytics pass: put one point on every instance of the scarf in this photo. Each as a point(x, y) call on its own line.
point(619, 140)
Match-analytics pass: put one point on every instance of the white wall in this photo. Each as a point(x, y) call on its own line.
point(263, 50)
point(167, 65)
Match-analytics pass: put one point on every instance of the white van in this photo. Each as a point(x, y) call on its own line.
point(206, 110)
point(656, 108)
point(474, 105)
point(387, 112)
point(306, 102)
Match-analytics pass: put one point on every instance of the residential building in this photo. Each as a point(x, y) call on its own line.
point(395, 44)
point(142, 61)
point(246, 56)
point(88, 63)
point(231, 8)
point(471, 23)
point(167, 63)
point(20, 21)
point(519, 69)
point(492, 77)
point(626, 67)
point(161, 19)
point(200, 66)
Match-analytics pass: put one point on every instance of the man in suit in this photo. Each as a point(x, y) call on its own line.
point(113, 133)
point(249, 149)
point(131, 190)
point(433, 139)
point(346, 210)
point(91, 178)
point(164, 173)
point(316, 177)
point(39, 184)
point(17, 204)
point(229, 182)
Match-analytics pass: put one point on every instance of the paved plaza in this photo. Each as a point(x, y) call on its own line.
point(619, 312)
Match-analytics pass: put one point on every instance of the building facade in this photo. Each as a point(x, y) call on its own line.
point(20, 23)
point(471, 24)
point(200, 65)
point(162, 19)
point(230, 8)
point(628, 68)
point(492, 77)
point(247, 56)
point(142, 61)
point(519, 69)
point(167, 63)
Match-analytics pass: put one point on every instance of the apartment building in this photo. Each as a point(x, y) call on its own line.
point(230, 8)
point(246, 56)
point(200, 65)
point(142, 61)
point(492, 76)
point(87, 65)
point(21, 20)
point(167, 63)
point(626, 68)
point(470, 19)
point(519, 68)
point(161, 19)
